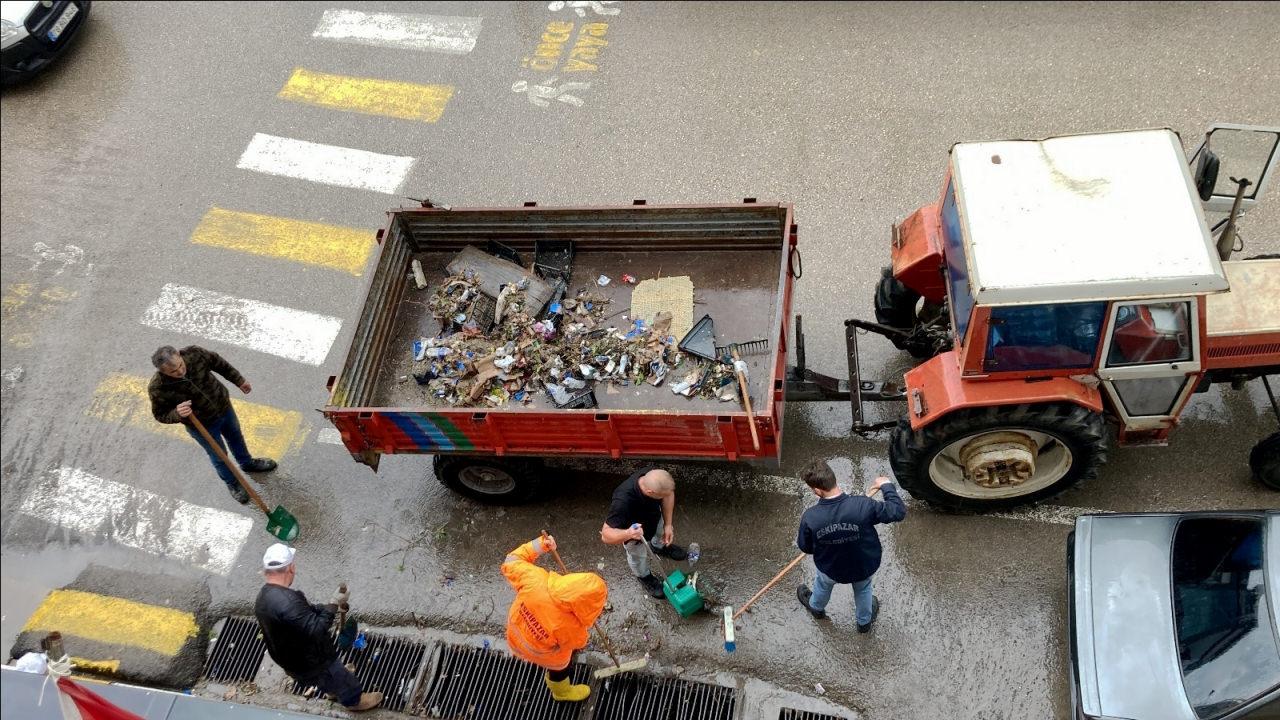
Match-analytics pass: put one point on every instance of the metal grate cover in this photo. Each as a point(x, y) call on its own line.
point(632, 696)
point(483, 684)
point(794, 714)
point(237, 651)
point(385, 664)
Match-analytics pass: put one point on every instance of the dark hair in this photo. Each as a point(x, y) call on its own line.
point(818, 475)
point(163, 356)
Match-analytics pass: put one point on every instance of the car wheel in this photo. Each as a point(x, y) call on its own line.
point(998, 457)
point(488, 480)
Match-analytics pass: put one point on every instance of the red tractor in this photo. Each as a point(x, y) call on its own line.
point(1060, 286)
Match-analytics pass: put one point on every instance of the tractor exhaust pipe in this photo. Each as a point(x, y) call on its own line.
point(1227, 240)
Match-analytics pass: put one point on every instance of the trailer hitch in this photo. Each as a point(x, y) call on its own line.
point(805, 384)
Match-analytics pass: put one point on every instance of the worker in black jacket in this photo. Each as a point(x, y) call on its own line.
point(840, 533)
point(297, 634)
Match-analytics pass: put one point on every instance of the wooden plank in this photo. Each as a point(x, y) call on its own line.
point(494, 272)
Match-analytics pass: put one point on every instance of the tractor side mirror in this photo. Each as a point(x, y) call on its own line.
point(1206, 176)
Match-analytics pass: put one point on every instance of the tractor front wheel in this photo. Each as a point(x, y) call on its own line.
point(1264, 461)
point(489, 480)
point(998, 457)
point(898, 306)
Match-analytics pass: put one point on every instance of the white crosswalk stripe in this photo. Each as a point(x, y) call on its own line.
point(433, 33)
point(87, 504)
point(325, 164)
point(286, 332)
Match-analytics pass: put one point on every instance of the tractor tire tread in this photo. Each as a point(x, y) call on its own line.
point(911, 451)
point(895, 306)
point(1264, 461)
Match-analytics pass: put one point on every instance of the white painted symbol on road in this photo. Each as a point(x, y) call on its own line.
point(580, 6)
point(87, 504)
point(432, 33)
point(325, 164)
point(12, 376)
point(541, 94)
point(286, 332)
point(329, 436)
point(66, 257)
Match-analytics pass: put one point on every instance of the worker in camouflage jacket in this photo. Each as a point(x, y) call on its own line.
point(184, 385)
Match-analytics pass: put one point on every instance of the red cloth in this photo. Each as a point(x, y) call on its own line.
point(91, 705)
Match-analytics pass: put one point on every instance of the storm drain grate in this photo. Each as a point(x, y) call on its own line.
point(385, 664)
point(627, 697)
point(482, 684)
point(794, 714)
point(237, 652)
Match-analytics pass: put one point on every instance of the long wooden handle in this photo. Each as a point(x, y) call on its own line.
point(746, 397)
point(772, 582)
point(604, 639)
point(235, 469)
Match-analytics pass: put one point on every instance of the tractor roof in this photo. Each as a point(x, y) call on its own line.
point(1082, 217)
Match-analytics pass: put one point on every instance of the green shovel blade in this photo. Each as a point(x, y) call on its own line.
point(282, 524)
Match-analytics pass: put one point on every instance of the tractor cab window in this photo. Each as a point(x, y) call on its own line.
point(957, 265)
point(1043, 337)
point(1148, 333)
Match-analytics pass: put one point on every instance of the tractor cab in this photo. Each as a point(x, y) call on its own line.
point(1061, 281)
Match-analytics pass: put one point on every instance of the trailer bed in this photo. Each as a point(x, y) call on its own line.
point(738, 258)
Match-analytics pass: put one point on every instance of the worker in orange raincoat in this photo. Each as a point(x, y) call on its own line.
point(551, 615)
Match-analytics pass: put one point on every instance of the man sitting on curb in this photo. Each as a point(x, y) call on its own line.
point(641, 504)
point(296, 634)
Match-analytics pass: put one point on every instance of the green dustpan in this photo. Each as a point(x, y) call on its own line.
point(280, 522)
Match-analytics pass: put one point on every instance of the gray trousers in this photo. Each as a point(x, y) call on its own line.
point(638, 555)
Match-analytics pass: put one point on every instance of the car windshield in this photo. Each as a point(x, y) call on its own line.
point(1225, 641)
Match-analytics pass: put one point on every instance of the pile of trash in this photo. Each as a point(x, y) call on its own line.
point(494, 351)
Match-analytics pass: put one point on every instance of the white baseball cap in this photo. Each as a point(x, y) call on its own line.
point(277, 556)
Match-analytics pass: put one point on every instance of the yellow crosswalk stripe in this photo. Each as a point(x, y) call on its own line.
point(403, 100)
point(268, 431)
point(330, 246)
point(114, 621)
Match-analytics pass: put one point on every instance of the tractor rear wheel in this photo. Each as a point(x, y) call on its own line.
point(1264, 461)
point(898, 306)
point(496, 481)
point(998, 457)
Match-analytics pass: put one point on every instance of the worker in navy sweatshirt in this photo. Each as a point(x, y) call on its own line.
point(839, 532)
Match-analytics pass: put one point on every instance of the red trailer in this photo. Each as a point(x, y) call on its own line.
point(742, 260)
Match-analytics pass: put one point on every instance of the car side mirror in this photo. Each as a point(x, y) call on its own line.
point(1206, 177)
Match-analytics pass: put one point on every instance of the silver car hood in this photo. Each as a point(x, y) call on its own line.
point(1124, 619)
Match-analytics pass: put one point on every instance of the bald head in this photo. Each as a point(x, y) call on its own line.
point(657, 483)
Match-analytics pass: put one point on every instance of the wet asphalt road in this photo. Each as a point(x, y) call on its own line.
point(845, 110)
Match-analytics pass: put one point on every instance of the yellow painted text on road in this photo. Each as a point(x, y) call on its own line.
point(268, 431)
point(312, 243)
point(406, 101)
point(114, 621)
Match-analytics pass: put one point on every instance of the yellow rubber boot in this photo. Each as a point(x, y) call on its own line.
point(563, 691)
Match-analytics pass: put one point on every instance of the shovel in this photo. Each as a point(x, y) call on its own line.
point(280, 522)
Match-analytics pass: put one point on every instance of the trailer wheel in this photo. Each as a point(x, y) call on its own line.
point(998, 457)
point(898, 306)
point(1264, 461)
point(488, 480)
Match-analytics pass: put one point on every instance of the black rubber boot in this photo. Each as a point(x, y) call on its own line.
point(875, 613)
point(803, 593)
point(259, 465)
point(653, 584)
point(239, 494)
point(675, 552)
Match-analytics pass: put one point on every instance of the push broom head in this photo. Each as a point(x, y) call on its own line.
point(730, 644)
point(627, 666)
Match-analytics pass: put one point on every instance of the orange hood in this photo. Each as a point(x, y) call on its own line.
point(582, 594)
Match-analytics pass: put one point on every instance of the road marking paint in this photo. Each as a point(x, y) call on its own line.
point(286, 332)
point(114, 621)
point(403, 100)
point(312, 243)
point(101, 667)
point(325, 164)
point(330, 436)
point(268, 431)
point(432, 33)
point(74, 499)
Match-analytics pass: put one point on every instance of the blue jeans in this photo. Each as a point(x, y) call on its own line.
point(822, 587)
point(226, 431)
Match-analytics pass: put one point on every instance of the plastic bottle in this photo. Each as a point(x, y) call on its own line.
point(695, 552)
